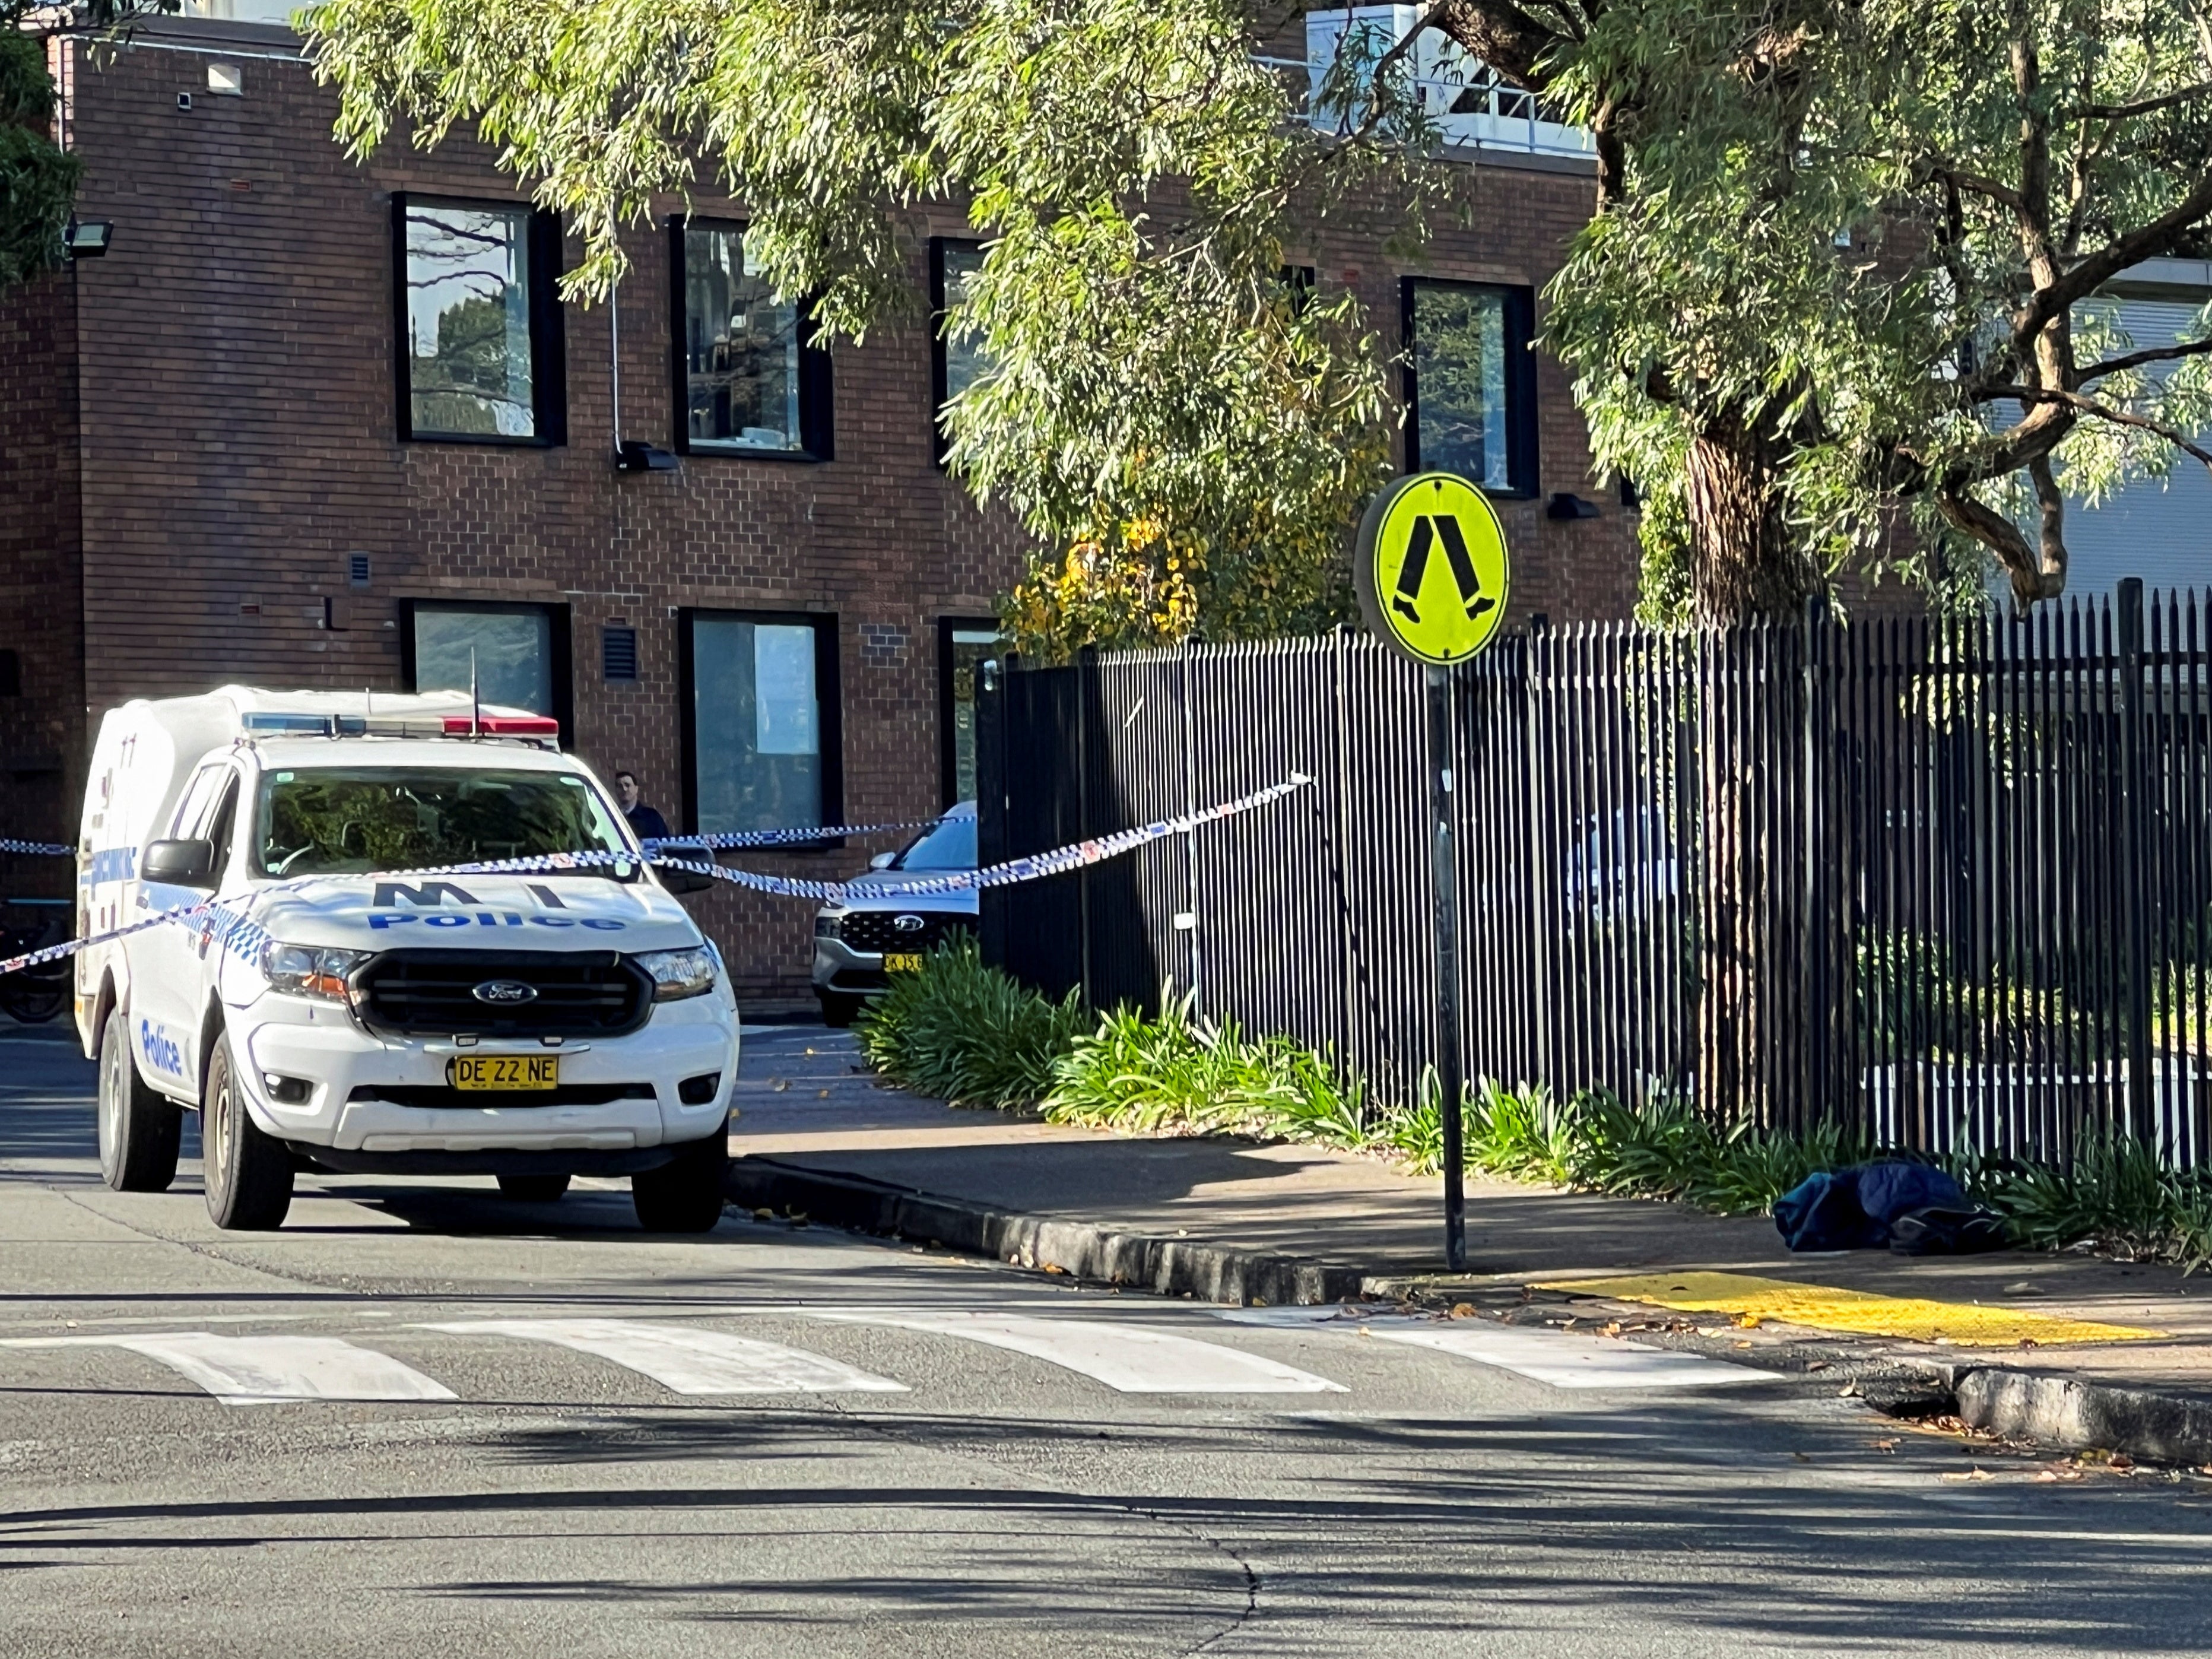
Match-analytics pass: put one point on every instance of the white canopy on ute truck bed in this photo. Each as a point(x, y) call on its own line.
point(158, 742)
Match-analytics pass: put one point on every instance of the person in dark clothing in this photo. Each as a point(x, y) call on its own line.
point(648, 824)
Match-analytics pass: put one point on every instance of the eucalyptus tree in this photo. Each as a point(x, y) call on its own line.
point(1846, 258)
point(1187, 434)
point(38, 179)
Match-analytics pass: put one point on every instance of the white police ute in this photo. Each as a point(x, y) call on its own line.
point(328, 1010)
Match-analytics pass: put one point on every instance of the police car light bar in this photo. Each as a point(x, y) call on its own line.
point(274, 723)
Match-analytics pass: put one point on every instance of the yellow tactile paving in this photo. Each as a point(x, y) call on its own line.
point(1825, 1307)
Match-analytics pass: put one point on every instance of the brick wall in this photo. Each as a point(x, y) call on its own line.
point(42, 729)
point(235, 363)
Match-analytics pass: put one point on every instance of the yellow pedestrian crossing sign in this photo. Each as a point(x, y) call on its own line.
point(1432, 571)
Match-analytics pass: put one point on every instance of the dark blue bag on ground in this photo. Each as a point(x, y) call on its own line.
point(1822, 1212)
point(1853, 1209)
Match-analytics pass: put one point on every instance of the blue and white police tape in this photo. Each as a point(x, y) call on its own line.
point(1036, 866)
point(719, 842)
point(235, 930)
point(723, 841)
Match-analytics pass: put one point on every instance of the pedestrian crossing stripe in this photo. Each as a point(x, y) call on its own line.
point(687, 1358)
point(1828, 1308)
point(1128, 1358)
point(265, 1371)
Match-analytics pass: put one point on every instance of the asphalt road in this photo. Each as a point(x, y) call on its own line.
point(942, 1458)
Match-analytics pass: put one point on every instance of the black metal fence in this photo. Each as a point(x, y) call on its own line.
point(1950, 884)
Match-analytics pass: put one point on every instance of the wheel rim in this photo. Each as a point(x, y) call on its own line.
point(111, 1105)
point(215, 1132)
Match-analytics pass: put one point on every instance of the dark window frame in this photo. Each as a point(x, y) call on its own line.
point(828, 708)
point(818, 425)
point(948, 766)
point(940, 368)
point(557, 646)
point(1519, 316)
point(549, 357)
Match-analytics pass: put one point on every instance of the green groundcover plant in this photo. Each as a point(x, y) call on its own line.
point(969, 1033)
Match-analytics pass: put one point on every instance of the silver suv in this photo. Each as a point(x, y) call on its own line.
point(861, 942)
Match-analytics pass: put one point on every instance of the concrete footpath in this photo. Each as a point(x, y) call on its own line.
point(1241, 1222)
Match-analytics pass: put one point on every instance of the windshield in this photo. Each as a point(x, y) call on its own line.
point(344, 820)
point(948, 844)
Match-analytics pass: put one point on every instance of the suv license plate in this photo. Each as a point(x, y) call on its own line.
point(504, 1072)
point(901, 962)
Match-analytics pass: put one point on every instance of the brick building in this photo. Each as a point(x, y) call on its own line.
point(311, 422)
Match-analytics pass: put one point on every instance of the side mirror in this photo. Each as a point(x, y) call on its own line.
point(882, 860)
point(683, 881)
point(179, 863)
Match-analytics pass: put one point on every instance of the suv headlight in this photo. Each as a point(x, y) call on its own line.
point(309, 970)
point(829, 924)
point(679, 974)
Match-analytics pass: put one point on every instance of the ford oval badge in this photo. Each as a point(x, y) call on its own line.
point(505, 993)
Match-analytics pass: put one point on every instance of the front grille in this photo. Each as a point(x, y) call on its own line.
point(878, 930)
point(437, 1094)
point(431, 994)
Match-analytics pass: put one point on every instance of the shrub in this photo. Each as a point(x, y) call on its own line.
point(1177, 1075)
point(968, 1033)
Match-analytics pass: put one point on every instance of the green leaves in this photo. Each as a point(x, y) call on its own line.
point(1137, 179)
point(967, 1033)
point(38, 181)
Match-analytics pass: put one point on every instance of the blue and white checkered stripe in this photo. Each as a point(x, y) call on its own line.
point(37, 848)
point(1036, 865)
point(723, 842)
point(235, 930)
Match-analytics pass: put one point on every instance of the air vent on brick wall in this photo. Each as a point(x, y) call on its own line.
point(618, 653)
point(357, 570)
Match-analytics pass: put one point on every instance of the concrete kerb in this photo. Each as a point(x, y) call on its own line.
point(2063, 1413)
point(1170, 1266)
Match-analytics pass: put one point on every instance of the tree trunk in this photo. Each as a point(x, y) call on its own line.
point(1744, 564)
point(1751, 848)
point(1746, 568)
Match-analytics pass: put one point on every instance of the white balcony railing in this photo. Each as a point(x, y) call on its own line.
point(1470, 106)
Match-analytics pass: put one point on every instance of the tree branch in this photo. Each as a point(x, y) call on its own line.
point(2101, 267)
point(2075, 401)
point(2138, 359)
point(2141, 106)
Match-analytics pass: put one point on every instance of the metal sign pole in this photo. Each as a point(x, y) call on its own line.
point(1444, 892)
point(1434, 577)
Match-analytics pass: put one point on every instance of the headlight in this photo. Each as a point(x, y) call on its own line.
point(679, 974)
point(826, 926)
point(308, 971)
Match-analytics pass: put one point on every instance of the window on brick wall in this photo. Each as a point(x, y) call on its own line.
point(1470, 383)
point(958, 358)
point(749, 381)
point(478, 323)
point(761, 726)
point(518, 654)
point(964, 644)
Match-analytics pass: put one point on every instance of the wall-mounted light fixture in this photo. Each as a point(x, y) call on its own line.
point(87, 239)
point(637, 457)
point(1563, 506)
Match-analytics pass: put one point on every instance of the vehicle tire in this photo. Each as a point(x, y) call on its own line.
point(686, 1194)
point(139, 1127)
point(247, 1174)
point(841, 1008)
point(534, 1188)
